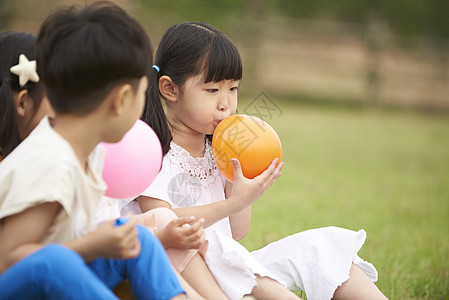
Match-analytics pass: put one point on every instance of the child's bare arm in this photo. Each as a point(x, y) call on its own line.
point(243, 187)
point(239, 221)
point(211, 213)
point(244, 192)
point(21, 233)
point(182, 233)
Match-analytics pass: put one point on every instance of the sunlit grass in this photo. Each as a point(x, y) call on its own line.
point(386, 172)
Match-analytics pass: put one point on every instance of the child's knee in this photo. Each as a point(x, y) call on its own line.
point(145, 236)
point(56, 255)
point(161, 216)
point(149, 242)
point(54, 260)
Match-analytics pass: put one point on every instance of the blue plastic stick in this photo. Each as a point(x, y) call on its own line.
point(120, 221)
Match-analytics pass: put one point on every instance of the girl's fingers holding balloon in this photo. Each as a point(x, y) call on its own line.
point(280, 166)
point(237, 168)
point(275, 174)
point(278, 169)
point(272, 165)
point(274, 162)
point(269, 172)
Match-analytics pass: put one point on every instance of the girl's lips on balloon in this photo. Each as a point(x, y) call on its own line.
point(217, 122)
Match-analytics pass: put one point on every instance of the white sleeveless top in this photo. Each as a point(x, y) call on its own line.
point(316, 261)
point(186, 181)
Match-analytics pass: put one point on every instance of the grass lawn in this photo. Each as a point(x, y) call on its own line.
point(383, 171)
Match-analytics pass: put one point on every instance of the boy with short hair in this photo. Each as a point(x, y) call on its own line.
point(94, 64)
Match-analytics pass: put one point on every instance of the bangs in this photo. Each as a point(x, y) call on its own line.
point(222, 61)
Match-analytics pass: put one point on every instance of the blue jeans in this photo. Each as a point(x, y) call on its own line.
point(56, 272)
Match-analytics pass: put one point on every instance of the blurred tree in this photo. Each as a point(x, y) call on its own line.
point(240, 19)
point(411, 21)
point(4, 14)
point(218, 12)
point(405, 17)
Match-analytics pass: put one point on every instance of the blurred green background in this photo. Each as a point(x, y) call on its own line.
point(392, 53)
point(358, 92)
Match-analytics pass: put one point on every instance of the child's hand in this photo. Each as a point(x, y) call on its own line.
point(182, 233)
point(245, 191)
point(112, 241)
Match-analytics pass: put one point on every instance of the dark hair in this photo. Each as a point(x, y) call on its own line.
point(83, 53)
point(12, 44)
point(186, 50)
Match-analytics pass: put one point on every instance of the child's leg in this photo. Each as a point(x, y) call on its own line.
point(268, 288)
point(197, 274)
point(150, 274)
point(358, 286)
point(159, 218)
point(194, 276)
point(317, 260)
point(53, 272)
point(192, 294)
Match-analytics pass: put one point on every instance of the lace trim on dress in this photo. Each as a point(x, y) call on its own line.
point(203, 168)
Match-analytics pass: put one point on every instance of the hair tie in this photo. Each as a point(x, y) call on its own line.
point(26, 70)
point(156, 67)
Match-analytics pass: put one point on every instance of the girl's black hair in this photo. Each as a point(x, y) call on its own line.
point(12, 44)
point(186, 50)
point(83, 53)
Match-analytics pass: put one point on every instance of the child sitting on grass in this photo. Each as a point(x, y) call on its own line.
point(22, 109)
point(197, 78)
point(93, 63)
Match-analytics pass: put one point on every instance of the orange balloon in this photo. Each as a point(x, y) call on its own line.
point(249, 139)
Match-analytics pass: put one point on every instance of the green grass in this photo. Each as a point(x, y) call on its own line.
point(384, 171)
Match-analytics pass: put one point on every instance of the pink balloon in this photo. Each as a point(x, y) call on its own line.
point(131, 165)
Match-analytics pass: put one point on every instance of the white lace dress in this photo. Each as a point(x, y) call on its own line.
point(316, 261)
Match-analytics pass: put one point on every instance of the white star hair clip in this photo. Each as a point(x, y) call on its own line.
point(26, 70)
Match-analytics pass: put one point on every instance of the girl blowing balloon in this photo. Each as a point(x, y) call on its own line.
point(197, 73)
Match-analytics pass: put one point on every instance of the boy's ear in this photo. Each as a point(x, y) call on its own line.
point(23, 102)
point(121, 95)
point(168, 89)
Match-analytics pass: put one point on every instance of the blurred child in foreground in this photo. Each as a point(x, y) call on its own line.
point(51, 183)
